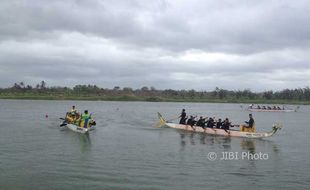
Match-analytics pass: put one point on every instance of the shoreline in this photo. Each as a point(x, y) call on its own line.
point(155, 99)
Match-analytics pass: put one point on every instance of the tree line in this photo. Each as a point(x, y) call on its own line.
point(153, 94)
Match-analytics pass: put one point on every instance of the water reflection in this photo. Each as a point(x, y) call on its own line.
point(248, 145)
point(225, 143)
point(204, 139)
point(85, 142)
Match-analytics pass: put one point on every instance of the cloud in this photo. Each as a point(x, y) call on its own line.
point(167, 44)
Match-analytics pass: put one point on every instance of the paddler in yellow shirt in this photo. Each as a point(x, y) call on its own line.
point(73, 115)
point(73, 111)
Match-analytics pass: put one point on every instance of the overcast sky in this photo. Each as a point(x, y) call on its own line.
point(178, 44)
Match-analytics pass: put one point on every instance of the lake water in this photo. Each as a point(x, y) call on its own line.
point(126, 151)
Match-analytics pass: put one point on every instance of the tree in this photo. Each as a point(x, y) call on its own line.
point(222, 93)
point(268, 95)
point(145, 88)
point(22, 84)
point(28, 87)
point(116, 88)
point(43, 84)
point(16, 86)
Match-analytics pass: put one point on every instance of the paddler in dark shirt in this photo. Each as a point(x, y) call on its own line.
point(201, 122)
point(191, 121)
point(183, 117)
point(226, 125)
point(210, 123)
point(250, 123)
point(219, 124)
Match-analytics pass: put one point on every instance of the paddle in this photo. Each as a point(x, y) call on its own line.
point(63, 124)
point(172, 119)
point(227, 131)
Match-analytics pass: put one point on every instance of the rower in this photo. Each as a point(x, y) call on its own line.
point(210, 123)
point(201, 122)
point(191, 121)
point(226, 124)
point(73, 111)
point(72, 115)
point(219, 123)
point(183, 117)
point(250, 125)
point(84, 119)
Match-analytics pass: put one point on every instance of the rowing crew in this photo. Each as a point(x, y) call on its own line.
point(266, 107)
point(82, 120)
point(211, 122)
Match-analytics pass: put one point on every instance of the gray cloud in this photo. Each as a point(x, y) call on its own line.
point(167, 44)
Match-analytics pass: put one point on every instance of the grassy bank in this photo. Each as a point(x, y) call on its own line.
point(150, 99)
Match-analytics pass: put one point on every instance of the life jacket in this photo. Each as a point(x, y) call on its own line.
point(70, 119)
point(85, 121)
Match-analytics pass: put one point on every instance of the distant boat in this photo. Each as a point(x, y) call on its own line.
point(222, 132)
point(271, 110)
point(266, 109)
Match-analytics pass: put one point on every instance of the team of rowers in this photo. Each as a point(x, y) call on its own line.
point(211, 122)
point(266, 107)
point(73, 116)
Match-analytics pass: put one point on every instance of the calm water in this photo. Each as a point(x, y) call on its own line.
point(126, 151)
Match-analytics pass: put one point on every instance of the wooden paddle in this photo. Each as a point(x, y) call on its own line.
point(63, 124)
point(172, 119)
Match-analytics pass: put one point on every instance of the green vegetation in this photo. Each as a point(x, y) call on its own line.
point(93, 92)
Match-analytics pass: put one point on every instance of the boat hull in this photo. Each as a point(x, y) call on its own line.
point(215, 131)
point(221, 132)
point(76, 128)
